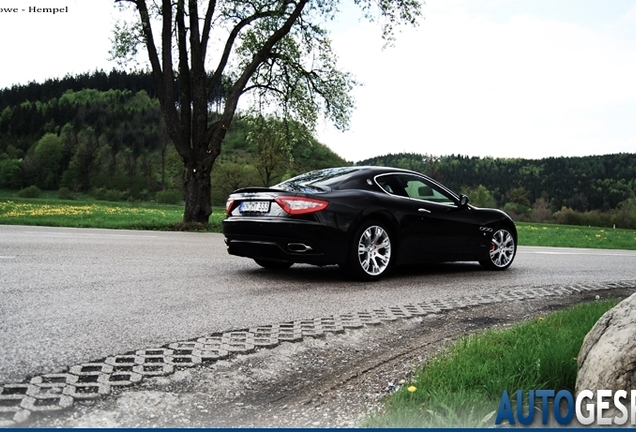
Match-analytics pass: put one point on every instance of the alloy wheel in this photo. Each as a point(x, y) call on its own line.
point(374, 250)
point(502, 248)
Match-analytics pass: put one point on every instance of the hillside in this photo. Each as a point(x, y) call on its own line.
point(110, 141)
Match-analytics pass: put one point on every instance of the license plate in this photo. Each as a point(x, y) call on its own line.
point(254, 207)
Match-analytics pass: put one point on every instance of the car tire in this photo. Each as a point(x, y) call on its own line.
point(501, 251)
point(370, 254)
point(273, 264)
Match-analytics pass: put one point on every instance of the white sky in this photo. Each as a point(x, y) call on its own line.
point(502, 78)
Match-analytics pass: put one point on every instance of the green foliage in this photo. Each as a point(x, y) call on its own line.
point(625, 216)
point(517, 211)
point(519, 195)
point(480, 197)
point(171, 196)
point(114, 144)
point(64, 193)
point(11, 174)
point(114, 195)
point(300, 93)
point(265, 151)
point(30, 192)
point(463, 386)
point(99, 194)
point(47, 164)
point(272, 140)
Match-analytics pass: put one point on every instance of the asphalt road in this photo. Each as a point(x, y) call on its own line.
point(70, 296)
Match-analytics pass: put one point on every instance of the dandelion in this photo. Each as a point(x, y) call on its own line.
point(541, 318)
point(412, 389)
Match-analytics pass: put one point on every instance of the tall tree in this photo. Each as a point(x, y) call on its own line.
point(273, 140)
point(275, 50)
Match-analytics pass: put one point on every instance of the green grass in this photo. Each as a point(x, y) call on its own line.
point(534, 234)
point(97, 214)
point(463, 386)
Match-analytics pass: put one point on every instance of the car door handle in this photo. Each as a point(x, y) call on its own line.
point(423, 210)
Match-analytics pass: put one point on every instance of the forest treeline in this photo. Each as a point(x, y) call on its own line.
point(81, 135)
point(589, 190)
point(102, 134)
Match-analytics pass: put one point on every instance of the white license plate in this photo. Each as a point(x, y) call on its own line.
point(254, 207)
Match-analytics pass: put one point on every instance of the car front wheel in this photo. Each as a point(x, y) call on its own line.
point(370, 254)
point(501, 252)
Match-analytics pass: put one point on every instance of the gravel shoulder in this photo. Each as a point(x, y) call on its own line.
point(332, 381)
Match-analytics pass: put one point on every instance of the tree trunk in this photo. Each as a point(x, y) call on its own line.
point(197, 185)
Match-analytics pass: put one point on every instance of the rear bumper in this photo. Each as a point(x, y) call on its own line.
point(296, 241)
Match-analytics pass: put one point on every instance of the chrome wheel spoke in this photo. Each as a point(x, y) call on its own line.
point(374, 250)
point(502, 248)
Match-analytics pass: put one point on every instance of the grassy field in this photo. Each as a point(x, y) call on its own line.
point(463, 386)
point(532, 234)
point(87, 213)
point(97, 214)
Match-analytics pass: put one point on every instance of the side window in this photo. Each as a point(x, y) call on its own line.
point(392, 184)
point(419, 188)
point(411, 186)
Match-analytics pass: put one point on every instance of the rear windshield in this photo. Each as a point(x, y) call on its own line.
point(316, 181)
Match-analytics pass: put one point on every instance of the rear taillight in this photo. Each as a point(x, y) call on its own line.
point(300, 205)
point(228, 206)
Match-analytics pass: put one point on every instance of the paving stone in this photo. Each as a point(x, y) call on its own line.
point(46, 402)
point(332, 324)
point(87, 390)
point(240, 342)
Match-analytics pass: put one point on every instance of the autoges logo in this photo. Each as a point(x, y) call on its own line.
point(599, 408)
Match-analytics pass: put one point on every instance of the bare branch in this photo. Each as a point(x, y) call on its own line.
point(229, 44)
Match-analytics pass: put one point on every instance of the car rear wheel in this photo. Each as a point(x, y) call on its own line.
point(501, 252)
point(273, 264)
point(371, 251)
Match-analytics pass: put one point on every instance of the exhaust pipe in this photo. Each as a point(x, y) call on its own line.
point(299, 247)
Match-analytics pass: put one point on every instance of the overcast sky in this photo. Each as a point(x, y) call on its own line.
point(501, 78)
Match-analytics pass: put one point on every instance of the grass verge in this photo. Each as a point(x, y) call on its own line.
point(87, 214)
point(463, 386)
point(534, 234)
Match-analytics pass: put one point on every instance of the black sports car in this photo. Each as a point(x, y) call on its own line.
point(365, 219)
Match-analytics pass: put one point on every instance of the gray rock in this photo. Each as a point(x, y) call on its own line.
point(607, 360)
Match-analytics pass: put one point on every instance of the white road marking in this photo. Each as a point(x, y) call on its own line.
point(75, 234)
point(584, 253)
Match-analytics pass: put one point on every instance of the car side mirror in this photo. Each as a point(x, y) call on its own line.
point(463, 201)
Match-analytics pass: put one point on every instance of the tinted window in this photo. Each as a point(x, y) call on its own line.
point(412, 186)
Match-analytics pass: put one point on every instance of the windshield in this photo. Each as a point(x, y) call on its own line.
point(315, 181)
